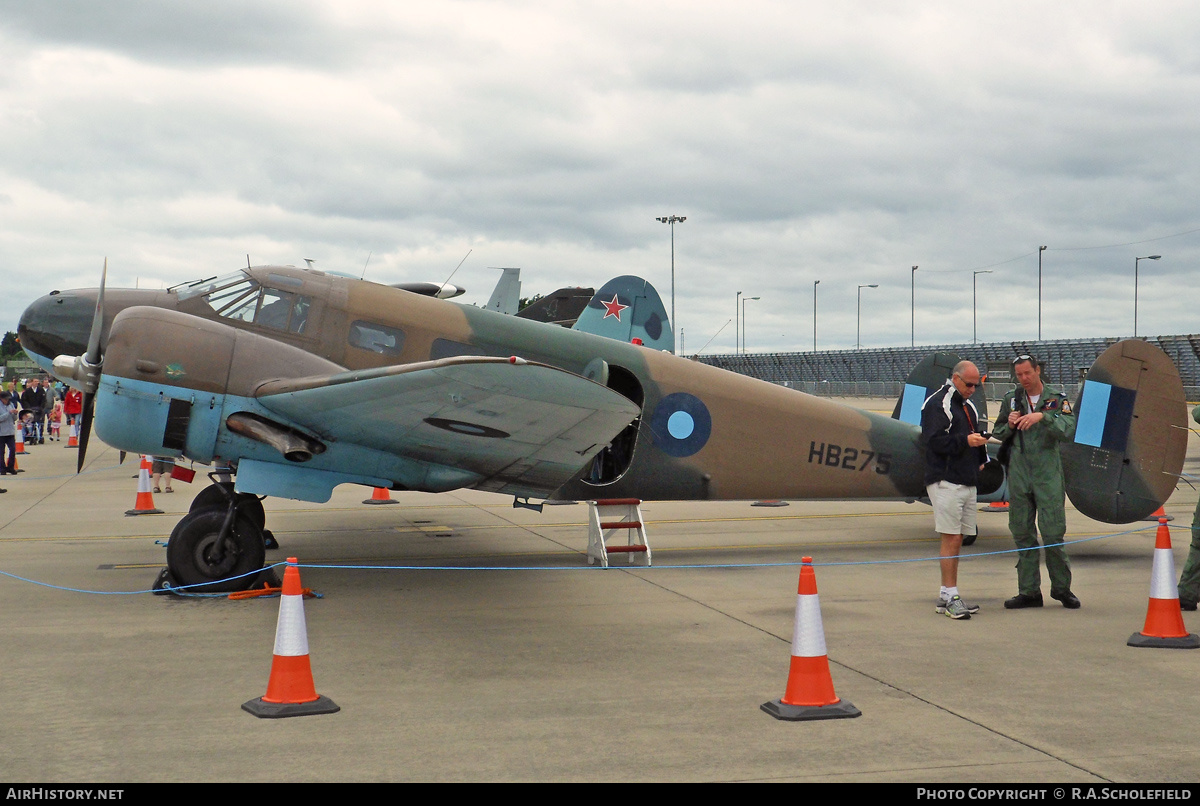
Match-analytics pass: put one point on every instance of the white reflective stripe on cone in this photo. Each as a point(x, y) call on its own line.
point(808, 636)
point(1162, 578)
point(291, 633)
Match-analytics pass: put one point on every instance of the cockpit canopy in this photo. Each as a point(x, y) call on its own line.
point(239, 296)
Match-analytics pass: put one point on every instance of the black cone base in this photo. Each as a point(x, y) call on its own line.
point(799, 713)
point(279, 710)
point(1189, 641)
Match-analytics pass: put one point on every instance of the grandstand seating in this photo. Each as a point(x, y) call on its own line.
point(1065, 360)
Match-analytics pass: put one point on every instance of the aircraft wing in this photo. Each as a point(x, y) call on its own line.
point(525, 428)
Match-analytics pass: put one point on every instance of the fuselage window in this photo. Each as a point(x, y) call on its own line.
point(376, 338)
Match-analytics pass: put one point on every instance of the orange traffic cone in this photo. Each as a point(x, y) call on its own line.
point(144, 505)
point(290, 691)
point(996, 506)
point(1157, 515)
point(809, 693)
point(73, 435)
point(20, 447)
point(381, 496)
point(1164, 620)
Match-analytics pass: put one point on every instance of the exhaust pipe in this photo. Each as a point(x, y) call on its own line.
point(295, 446)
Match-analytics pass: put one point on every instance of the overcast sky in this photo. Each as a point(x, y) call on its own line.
point(841, 142)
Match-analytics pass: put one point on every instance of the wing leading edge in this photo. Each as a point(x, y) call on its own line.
point(525, 428)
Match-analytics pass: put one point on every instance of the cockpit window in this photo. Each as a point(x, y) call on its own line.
point(376, 338)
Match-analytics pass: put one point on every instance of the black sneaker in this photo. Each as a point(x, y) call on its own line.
point(1022, 600)
point(1186, 603)
point(1068, 599)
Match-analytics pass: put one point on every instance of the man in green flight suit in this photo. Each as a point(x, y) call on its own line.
point(1189, 580)
point(1034, 419)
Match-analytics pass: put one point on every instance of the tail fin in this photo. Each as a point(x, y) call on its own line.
point(1130, 434)
point(926, 378)
point(506, 296)
point(627, 308)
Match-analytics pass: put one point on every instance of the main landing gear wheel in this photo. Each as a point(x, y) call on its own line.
point(969, 540)
point(218, 495)
point(198, 553)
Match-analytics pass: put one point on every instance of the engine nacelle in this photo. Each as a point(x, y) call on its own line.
point(170, 381)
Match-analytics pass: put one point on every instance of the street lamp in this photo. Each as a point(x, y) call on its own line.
point(914, 307)
point(1040, 250)
point(858, 338)
point(974, 321)
point(672, 219)
point(1136, 260)
point(736, 328)
point(744, 322)
point(815, 284)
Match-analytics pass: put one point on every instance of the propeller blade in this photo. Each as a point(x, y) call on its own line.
point(93, 358)
point(121, 459)
point(85, 428)
point(93, 350)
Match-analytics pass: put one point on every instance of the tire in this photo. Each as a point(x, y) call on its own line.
point(214, 496)
point(191, 544)
point(969, 540)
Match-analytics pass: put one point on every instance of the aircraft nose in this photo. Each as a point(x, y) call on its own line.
point(57, 324)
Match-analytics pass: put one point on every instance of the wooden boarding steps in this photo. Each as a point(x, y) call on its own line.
point(608, 516)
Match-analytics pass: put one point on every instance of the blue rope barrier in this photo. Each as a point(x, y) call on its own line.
point(182, 590)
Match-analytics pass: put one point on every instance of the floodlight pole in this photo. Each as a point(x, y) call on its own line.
point(815, 284)
point(858, 337)
point(974, 315)
point(914, 308)
point(672, 219)
point(1040, 250)
point(737, 299)
point(744, 322)
point(1137, 260)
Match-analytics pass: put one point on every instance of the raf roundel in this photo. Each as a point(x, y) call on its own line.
point(681, 424)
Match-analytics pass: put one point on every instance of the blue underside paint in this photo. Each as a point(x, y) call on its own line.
point(132, 416)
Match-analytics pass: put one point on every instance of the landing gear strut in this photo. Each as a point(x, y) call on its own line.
point(222, 536)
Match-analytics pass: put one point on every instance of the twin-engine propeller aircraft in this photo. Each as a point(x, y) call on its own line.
point(304, 380)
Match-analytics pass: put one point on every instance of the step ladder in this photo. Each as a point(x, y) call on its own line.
point(608, 516)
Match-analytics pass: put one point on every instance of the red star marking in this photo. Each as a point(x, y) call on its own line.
point(614, 308)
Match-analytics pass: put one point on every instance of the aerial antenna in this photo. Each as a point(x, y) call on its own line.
point(459, 266)
point(718, 333)
point(364, 274)
point(247, 261)
point(309, 262)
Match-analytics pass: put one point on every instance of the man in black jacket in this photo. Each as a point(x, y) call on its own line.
point(954, 453)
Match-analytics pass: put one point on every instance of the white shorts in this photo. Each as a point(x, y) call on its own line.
point(954, 508)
